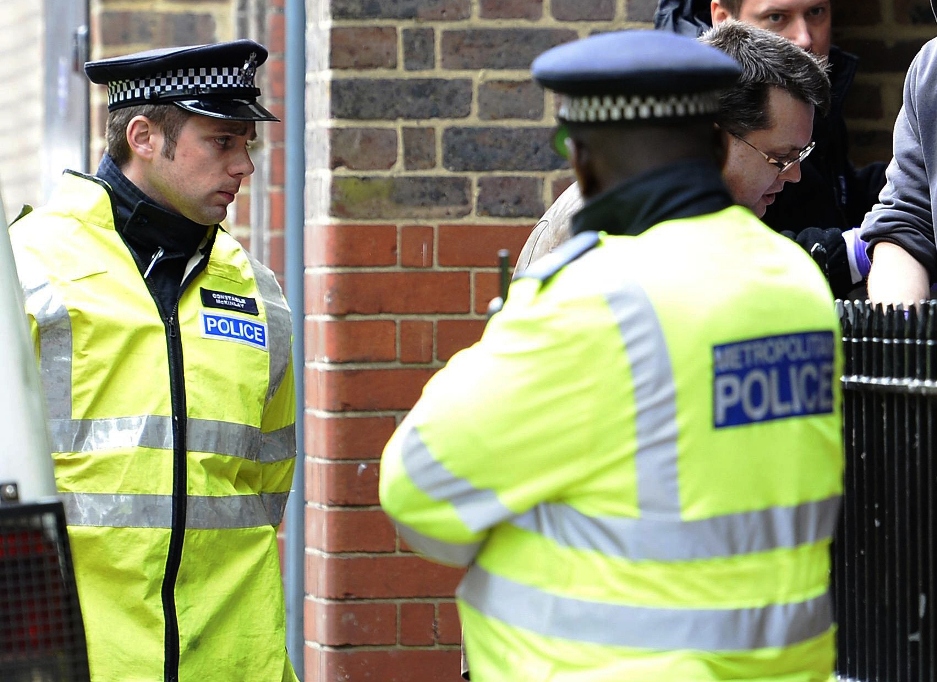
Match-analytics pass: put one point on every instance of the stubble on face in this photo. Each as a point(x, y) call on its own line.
point(204, 175)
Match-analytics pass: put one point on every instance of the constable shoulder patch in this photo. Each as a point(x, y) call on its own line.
point(224, 301)
point(231, 328)
point(545, 267)
point(775, 377)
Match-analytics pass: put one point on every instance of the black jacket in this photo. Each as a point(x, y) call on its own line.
point(831, 192)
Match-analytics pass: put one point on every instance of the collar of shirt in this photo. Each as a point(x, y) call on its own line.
point(145, 226)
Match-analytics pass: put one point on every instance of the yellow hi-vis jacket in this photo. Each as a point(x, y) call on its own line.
point(641, 463)
point(173, 442)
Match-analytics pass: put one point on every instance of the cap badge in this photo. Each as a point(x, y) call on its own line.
point(248, 70)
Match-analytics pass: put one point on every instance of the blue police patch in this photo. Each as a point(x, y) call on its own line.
point(775, 377)
point(230, 328)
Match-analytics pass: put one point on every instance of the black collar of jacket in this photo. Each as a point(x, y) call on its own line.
point(843, 66)
point(680, 190)
point(144, 225)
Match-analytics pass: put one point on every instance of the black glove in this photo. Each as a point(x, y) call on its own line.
point(828, 249)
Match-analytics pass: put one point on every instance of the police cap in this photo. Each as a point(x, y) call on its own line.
point(214, 80)
point(635, 75)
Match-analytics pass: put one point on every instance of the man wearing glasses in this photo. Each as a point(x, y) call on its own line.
point(766, 124)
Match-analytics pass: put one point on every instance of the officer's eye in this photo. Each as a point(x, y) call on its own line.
point(774, 18)
point(224, 141)
point(816, 12)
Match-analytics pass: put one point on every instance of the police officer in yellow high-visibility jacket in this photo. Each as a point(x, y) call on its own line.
point(641, 460)
point(164, 352)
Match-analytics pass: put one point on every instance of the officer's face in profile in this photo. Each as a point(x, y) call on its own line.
point(754, 181)
point(805, 23)
point(210, 161)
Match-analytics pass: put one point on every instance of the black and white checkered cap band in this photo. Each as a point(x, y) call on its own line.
point(182, 82)
point(597, 109)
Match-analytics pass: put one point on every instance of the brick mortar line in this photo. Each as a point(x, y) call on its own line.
point(355, 649)
point(584, 26)
point(326, 414)
point(881, 31)
point(383, 365)
point(385, 600)
point(386, 317)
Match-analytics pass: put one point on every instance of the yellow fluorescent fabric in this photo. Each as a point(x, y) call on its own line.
point(96, 325)
point(641, 460)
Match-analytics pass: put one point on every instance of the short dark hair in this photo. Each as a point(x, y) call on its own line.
point(167, 117)
point(767, 61)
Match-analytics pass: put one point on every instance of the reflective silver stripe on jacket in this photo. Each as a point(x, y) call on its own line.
point(155, 511)
point(655, 395)
point(68, 435)
point(55, 341)
point(659, 534)
point(477, 508)
point(280, 327)
point(657, 540)
point(635, 539)
point(640, 627)
point(202, 435)
point(448, 552)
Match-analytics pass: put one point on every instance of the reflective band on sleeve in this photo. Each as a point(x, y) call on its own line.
point(278, 446)
point(155, 511)
point(55, 342)
point(642, 627)
point(275, 504)
point(279, 326)
point(477, 508)
point(657, 478)
point(447, 552)
point(654, 540)
point(203, 435)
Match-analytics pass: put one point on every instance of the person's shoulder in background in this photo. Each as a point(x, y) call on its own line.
point(553, 229)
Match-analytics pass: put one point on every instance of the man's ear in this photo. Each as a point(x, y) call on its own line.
point(721, 146)
point(142, 137)
point(718, 13)
point(583, 163)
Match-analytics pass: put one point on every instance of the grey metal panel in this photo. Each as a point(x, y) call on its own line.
point(66, 128)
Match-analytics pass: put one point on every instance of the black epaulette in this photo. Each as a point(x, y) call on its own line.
point(544, 268)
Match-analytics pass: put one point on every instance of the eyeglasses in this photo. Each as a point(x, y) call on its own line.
point(782, 166)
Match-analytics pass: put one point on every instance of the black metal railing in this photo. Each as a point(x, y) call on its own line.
point(884, 583)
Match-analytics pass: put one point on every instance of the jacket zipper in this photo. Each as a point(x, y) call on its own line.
point(179, 497)
point(171, 646)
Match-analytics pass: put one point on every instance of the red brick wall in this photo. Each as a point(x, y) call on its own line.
point(886, 34)
point(438, 154)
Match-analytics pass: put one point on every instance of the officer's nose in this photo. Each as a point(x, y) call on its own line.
point(243, 166)
point(798, 33)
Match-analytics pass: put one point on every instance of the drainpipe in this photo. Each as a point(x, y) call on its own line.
point(295, 122)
